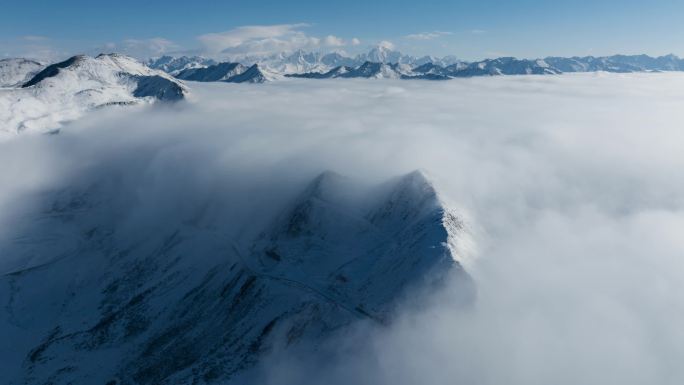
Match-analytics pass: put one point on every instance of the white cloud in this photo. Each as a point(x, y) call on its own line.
point(355, 41)
point(334, 41)
point(572, 183)
point(253, 34)
point(386, 44)
point(146, 47)
point(427, 35)
point(267, 39)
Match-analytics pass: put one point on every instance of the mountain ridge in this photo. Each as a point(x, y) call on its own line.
point(182, 302)
point(63, 91)
point(315, 65)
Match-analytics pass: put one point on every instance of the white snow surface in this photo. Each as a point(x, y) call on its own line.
point(16, 71)
point(87, 84)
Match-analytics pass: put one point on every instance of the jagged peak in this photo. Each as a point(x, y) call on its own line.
point(406, 198)
point(324, 186)
point(113, 55)
point(416, 182)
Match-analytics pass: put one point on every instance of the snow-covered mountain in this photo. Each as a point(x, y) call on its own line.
point(93, 293)
point(17, 71)
point(301, 61)
point(228, 72)
point(617, 63)
point(366, 70)
point(501, 66)
point(213, 73)
point(175, 65)
point(382, 62)
point(64, 91)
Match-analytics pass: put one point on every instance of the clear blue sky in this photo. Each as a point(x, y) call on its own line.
point(468, 29)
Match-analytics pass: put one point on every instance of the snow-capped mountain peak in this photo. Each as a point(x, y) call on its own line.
point(175, 65)
point(65, 90)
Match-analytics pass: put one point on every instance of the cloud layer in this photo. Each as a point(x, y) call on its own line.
point(571, 184)
point(268, 39)
point(428, 35)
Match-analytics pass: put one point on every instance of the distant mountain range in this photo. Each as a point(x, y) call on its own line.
point(227, 72)
point(381, 62)
point(38, 97)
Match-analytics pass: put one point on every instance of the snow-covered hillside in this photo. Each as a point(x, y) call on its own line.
point(93, 294)
point(15, 72)
point(229, 73)
point(175, 65)
point(65, 91)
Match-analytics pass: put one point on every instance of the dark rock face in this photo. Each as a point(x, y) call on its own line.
point(224, 72)
point(52, 70)
point(159, 88)
point(174, 65)
point(252, 75)
point(213, 73)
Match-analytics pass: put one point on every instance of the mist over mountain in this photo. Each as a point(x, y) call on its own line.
point(206, 296)
point(278, 234)
point(193, 221)
point(40, 98)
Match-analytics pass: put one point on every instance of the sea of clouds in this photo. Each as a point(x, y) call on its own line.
point(570, 184)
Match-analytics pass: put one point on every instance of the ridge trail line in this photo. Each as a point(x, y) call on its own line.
point(292, 282)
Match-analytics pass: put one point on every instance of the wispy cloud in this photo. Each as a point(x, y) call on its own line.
point(428, 35)
point(386, 44)
point(145, 47)
point(31, 46)
point(265, 39)
point(35, 38)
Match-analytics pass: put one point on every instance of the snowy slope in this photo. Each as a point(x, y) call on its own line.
point(89, 300)
point(381, 63)
point(229, 73)
point(214, 73)
point(174, 65)
point(15, 72)
point(368, 70)
point(65, 91)
point(300, 61)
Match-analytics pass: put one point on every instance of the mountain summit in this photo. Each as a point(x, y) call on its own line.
point(183, 302)
point(65, 90)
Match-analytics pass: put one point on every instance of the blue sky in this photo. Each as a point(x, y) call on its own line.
point(467, 29)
